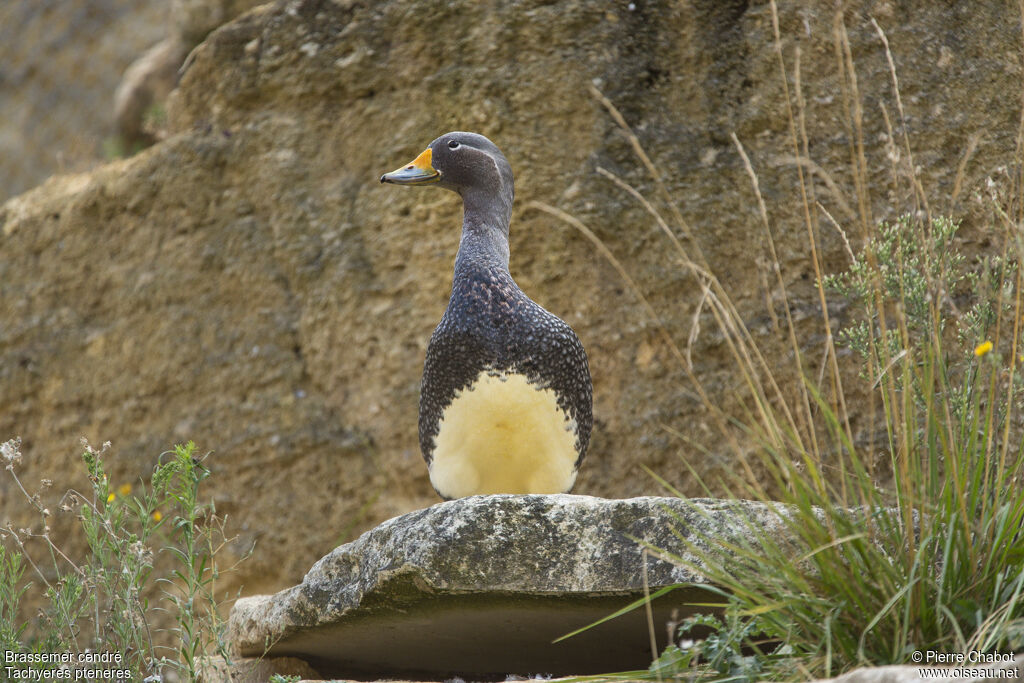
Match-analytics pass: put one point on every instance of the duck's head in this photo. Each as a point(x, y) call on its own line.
point(466, 163)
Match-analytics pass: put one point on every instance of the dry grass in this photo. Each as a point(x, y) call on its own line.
point(930, 556)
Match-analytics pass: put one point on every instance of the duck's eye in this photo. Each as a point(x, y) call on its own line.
point(453, 144)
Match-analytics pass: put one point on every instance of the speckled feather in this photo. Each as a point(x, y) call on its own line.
point(491, 325)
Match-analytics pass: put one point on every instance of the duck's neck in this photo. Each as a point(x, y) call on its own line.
point(484, 243)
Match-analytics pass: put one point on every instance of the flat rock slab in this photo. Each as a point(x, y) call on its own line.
point(480, 587)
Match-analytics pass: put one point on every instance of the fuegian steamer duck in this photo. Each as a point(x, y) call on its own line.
point(505, 402)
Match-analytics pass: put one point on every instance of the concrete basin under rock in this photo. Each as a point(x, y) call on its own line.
point(479, 587)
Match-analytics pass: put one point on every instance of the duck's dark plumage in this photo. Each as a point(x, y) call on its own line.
point(490, 325)
point(505, 402)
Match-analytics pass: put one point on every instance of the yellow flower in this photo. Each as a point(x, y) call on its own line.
point(982, 349)
point(157, 516)
point(110, 498)
point(124, 489)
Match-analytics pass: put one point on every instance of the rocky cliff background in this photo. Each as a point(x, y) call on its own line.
point(247, 283)
point(59, 65)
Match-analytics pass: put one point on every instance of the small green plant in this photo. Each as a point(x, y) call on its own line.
point(913, 269)
point(11, 571)
point(109, 601)
point(200, 537)
point(725, 651)
point(902, 264)
point(155, 117)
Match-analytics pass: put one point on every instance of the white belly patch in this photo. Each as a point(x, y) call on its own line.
point(504, 435)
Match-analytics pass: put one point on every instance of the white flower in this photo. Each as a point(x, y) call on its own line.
point(10, 451)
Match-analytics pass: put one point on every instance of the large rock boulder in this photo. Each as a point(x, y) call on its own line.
point(480, 587)
point(246, 283)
